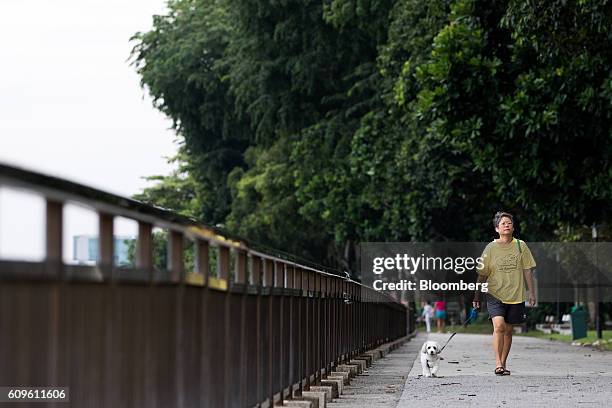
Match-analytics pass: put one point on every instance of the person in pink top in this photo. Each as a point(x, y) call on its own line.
point(440, 309)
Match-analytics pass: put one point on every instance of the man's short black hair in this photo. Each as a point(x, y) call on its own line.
point(499, 215)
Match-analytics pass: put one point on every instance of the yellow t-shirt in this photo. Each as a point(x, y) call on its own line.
point(504, 265)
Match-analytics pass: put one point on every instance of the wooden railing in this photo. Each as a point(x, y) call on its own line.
point(142, 337)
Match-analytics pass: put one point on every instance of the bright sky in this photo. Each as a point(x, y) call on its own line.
point(72, 106)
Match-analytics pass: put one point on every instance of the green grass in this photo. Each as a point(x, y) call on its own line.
point(566, 338)
point(487, 328)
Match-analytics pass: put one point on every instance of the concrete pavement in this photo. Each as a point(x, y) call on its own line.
point(543, 373)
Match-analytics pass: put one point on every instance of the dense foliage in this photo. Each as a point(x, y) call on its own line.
point(312, 125)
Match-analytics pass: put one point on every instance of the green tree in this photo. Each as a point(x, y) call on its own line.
point(178, 191)
point(180, 62)
point(312, 125)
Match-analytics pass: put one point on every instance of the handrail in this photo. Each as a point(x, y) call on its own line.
point(143, 337)
point(60, 190)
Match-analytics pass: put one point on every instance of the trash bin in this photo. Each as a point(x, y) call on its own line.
point(579, 323)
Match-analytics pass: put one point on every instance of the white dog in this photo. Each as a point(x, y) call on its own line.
point(430, 359)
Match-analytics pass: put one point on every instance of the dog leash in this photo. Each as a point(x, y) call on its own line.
point(449, 339)
point(473, 315)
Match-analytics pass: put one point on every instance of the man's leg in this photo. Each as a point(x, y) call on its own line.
point(507, 343)
point(499, 331)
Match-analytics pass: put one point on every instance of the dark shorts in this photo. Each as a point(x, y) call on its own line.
point(512, 313)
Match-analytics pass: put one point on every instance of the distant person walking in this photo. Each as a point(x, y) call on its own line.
point(440, 309)
point(427, 314)
point(507, 264)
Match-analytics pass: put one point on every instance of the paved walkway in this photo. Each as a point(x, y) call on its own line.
point(543, 373)
point(381, 385)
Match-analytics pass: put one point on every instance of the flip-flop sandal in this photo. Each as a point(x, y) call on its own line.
point(499, 370)
point(506, 372)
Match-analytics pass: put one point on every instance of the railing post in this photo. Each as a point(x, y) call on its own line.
point(318, 320)
point(202, 267)
point(144, 246)
point(256, 271)
point(105, 243)
point(240, 277)
point(240, 267)
point(297, 279)
point(279, 282)
point(289, 279)
point(334, 316)
point(311, 345)
point(290, 276)
point(362, 320)
point(268, 273)
point(54, 239)
point(340, 315)
point(354, 322)
point(328, 328)
point(54, 230)
point(367, 316)
point(269, 282)
point(202, 264)
point(175, 255)
point(345, 324)
point(176, 267)
point(256, 280)
point(279, 275)
point(223, 262)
